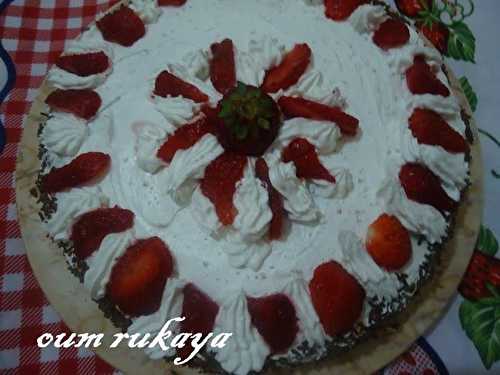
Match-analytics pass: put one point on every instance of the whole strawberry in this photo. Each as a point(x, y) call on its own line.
point(437, 33)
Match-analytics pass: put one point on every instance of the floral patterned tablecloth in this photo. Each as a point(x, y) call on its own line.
point(466, 340)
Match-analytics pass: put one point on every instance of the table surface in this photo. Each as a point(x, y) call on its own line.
point(33, 33)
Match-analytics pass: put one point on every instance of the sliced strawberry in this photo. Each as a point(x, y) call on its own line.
point(276, 226)
point(388, 242)
point(423, 186)
point(222, 66)
point(219, 184)
point(392, 33)
point(174, 3)
point(430, 128)
point(298, 107)
point(139, 276)
point(83, 170)
point(422, 80)
point(81, 103)
point(340, 10)
point(437, 33)
point(185, 137)
point(303, 154)
point(200, 312)
point(337, 298)
point(169, 85)
point(122, 26)
point(412, 8)
point(483, 269)
point(90, 229)
point(288, 73)
point(84, 64)
point(275, 318)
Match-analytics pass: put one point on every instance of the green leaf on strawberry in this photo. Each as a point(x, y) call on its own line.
point(469, 93)
point(461, 42)
point(481, 322)
point(486, 242)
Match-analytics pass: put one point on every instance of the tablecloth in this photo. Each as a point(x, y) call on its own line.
point(33, 33)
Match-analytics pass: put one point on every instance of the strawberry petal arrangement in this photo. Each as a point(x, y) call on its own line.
point(291, 186)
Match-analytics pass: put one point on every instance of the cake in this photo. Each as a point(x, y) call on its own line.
point(284, 171)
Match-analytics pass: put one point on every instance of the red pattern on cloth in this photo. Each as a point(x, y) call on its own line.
point(34, 34)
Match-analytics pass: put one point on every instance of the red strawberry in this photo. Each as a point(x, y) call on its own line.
point(337, 298)
point(422, 80)
point(90, 229)
point(275, 200)
point(340, 10)
point(303, 154)
point(391, 33)
point(298, 107)
point(431, 129)
point(482, 269)
point(122, 26)
point(168, 84)
point(388, 243)
point(222, 66)
point(275, 318)
point(185, 137)
point(83, 170)
point(423, 186)
point(174, 3)
point(200, 312)
point(219, 184)
point(81, 103)
point(437, 33)
point(412, 8)
point(84, 64)
point(288, 73)
point(139, 276)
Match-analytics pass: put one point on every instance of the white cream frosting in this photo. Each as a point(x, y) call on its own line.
point(177, 111)
point(149, 140)
point(246, 350)
point(101, 263)
point(367, 18)
point(63, 134)
point(312, 86)
point(70, 205)
point(170, 308)
point(340, 189)
point(147, 10)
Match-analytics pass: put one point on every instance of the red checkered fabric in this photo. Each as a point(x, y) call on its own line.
point(33, 33)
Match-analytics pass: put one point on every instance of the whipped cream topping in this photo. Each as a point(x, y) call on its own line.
point(368, 17)
point(219, 258)
point(63, 134)
point(149, 139)
point(148, 10)
point(246, 350)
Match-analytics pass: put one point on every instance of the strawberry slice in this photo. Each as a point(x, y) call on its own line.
point(81, 103)
point(423, 186)
point(185, 137)
point(275, 318)
point(288, 73)
point(340, 10)
point(483, 269)
point(412, 8)
point(139, 276)
point(430, 128)
point(388, 242)
point(437, 33)
point(303, 154)
point(298, 107)
point(123, 26)
point(392, 33)
point(219, 184)
point(422, 80)
point(83, 170)
point(173, 3)
point(169, 85)
point(200, 312)
point(222, 66)
point(337, 298)
point(84, 64)
point(90, 229)
point(276, 226)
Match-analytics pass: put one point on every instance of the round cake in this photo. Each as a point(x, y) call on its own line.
point(284, 171)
